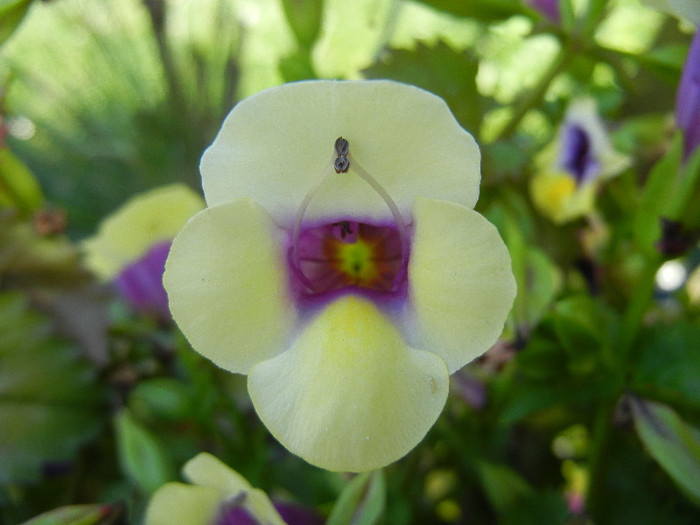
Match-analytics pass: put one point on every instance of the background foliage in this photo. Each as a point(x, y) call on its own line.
point(586, 411)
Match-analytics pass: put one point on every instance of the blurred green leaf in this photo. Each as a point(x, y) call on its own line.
point(672, 442)
point(304, 17)
point(18, 187)
point(49, 401)
point(78, 515)
point(666, 61)
point(668, 193)
point(441, 70)
point(361, 502)
point(162, 397)
point(484, 10)
point(504, 487)
point(667, 364)
point(141, 454)
point(11, 14)
point(32, 260)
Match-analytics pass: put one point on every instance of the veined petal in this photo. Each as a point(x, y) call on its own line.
point(462, 285)
point(227, 288)
point(274, 146)
point(145, 220)
point(183, 504)
point(349, 395)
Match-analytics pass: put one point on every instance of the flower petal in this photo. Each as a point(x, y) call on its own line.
point(556, 196)
point(208, 471)
point(183, 504)
point(462, 285)
point(145, 220)
point(349, 395)
point(227, 288)
point(275, 145)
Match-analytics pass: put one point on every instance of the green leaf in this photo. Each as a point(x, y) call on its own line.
point(484, 10)
point(672, 442)
point(11, 14)
point(49, 401)
point(141, 454)
point(78, 515)
point(18, 187)
point(361, 502)
point(161, 398)
point(504, 487)
point(440, 70)
point(304, 17)
point(667, 366)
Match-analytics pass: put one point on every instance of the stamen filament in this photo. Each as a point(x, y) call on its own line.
point(400, 225)
point(302, 211)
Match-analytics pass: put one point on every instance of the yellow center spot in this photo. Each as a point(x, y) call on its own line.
point(356, 262)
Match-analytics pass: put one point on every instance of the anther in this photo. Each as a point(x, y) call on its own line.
point(342, 147)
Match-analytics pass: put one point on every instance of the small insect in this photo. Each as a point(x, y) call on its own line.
point(342, 147)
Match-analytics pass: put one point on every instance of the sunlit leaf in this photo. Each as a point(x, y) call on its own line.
point(440, 70)
point(18, 187)
point(11, 14)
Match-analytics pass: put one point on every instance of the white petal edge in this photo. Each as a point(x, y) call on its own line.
point(461, 281)
point(183, 504)
point(350, 395)
point(227, 285)
point(275, 145)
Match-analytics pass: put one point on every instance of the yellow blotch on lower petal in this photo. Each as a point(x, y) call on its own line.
point(350, 395)
point(557, 196)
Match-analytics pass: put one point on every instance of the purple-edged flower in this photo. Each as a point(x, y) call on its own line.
point(218, 495)
point(340, 264)
point(688, 98)
point(571, 168)
point(549, 8)
point(132, 245)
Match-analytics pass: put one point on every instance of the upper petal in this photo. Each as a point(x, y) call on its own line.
point(227, 286)
point(145, 220)
point(461, 283)
point(275, 145)
point(349, 395)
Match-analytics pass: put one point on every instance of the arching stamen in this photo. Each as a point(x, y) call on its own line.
point(302, 211)
point(400, 225)
point(341, 164)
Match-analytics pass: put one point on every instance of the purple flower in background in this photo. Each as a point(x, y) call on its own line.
point(549, 8)
point(131, 245)
point(688, 98)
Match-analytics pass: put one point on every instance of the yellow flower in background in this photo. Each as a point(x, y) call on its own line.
point(339, 263)
point(217, 495)
point(572, 167)
point(132, 244)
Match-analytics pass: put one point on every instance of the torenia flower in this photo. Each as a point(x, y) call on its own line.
point(218, 495)
point(340, 265)
point(572, 167)
point(688, 98)
point(132, 244)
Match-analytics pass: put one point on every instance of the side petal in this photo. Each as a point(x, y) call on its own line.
point(183, 504)
point(275, 145)
point(461, 282)
point(349, 395)
point(227, 287)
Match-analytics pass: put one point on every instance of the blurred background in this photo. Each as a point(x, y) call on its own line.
point(587, 410)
